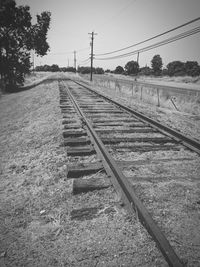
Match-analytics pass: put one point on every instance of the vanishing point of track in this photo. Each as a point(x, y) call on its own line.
point(94, 124)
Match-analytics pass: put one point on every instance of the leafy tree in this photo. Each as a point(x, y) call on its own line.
point(192, 68)
point(54, 68)
point(164, 72)
point(145, 71)
point(84, 70)
point(132, 67)
point(46, 68)
point(176, 68)
point(119, 70)
point(69, 69)
point(99, 70)
point(17, 38)
point(156, 64)
point(107, 71)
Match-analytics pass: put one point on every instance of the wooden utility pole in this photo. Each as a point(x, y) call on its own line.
point(33, 62)
point(138, 58)
point(138, 65)
point(92, 54)
point(75, 60)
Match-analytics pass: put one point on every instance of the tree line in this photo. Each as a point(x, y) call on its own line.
point(174, 68)
point(80, 69)
point(54, 68)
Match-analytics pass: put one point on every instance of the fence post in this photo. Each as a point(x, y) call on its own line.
point(158, 97)
point(132, 89)
point(141, 93)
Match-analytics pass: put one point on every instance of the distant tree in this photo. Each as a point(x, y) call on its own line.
point(119, 70)
point(164, 72)
point(176, 68)
point(55, 68)
point(39, 68)
point(70, 69)
point(17, 38)
point(145, 71)
point(156, 65)
point(46, 68)
point(107, 71)
point(99, 70)
point(64, 69)
point(85, 70)
point(192, 68)
point(132, 67)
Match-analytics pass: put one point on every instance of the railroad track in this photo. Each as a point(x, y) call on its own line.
point(135, 152)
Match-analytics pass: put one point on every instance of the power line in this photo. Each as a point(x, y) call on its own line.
point(161, 43)
point(84, 64)
point(71, 52)
point(87, 59)
point(149, 39)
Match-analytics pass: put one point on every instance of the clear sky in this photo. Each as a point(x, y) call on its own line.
point(118, 23)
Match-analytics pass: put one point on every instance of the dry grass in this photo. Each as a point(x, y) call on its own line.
point(34, 76)
point(31, 161)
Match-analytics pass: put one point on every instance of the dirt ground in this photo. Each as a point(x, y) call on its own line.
point(39, 225)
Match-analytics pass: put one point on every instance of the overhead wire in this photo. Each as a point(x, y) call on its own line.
point(70, 52)
point(161, 43)
point(84, 62)
point(149, 39)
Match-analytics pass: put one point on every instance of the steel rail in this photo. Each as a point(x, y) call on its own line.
point(128, 196)
point(190, 143)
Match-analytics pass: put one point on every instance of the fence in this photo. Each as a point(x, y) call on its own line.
point(176, 98)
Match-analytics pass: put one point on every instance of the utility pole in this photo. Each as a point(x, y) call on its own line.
point(75, 60)
point(92, 54)
point(138, 57)
point(33, 62)
point(138, 64)
point(68, 62)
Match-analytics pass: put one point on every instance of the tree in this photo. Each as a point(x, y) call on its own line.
point(132, 67)
point(176, 68)
point(17, 38)
point(70, 69)
point(84, 70)
point(192, 68)
point(119, 70)
point(99, 70)
point(156, 65)
point(145, 71)
point(107, 71)
point(164, 72)
point(54, 68)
